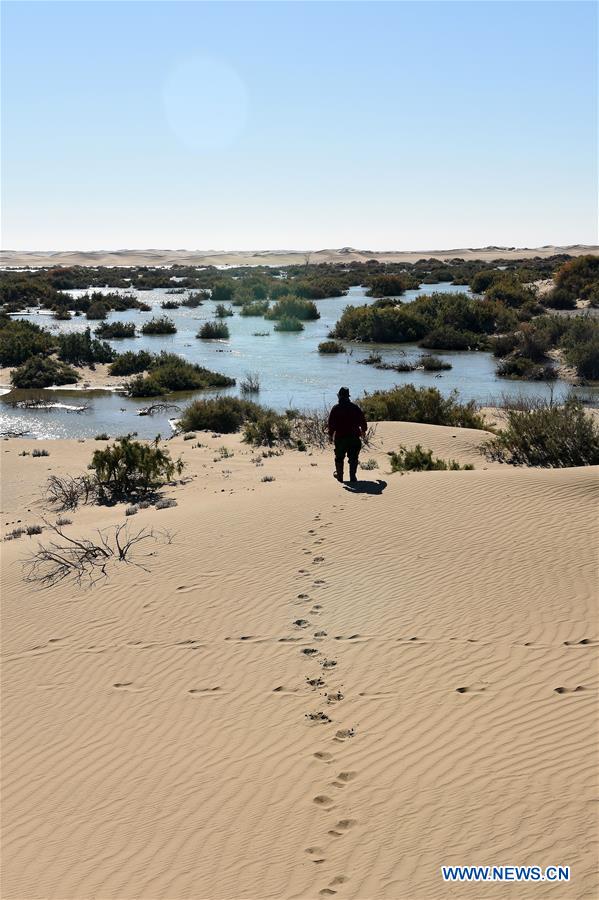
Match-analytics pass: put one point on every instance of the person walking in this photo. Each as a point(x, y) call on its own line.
point(347, 425)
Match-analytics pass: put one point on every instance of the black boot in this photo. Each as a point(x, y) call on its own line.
point(339, 471)
point(352, 473)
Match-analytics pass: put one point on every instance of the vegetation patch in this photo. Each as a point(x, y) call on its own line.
point(407, 403)
point(42, 372)
point(416, 459)
point(331, 347)
point(112, 330)
point(161, 325)
point(213, 331)
point(549, 436)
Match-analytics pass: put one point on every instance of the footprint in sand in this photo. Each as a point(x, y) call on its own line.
point(344, 734)
point(303, 596)
point(346, 776)
point(318, 717)
point(564, 690)
point(318, 559)
point(328, 663)
point(323, 800)
point(469, 690)
point(205, 691)
point(122, 684)
point(338, 879)
point(583, 642)
point(323, 756)
point(301, 623)
point(327, 892)
point(315, 682)
point(310, 651)
point(334, 697)
point(320, 634)
point(316, 854)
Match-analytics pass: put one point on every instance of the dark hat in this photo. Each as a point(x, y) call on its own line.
point(343, 393)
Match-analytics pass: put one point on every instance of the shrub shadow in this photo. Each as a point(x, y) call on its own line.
point(366, 487)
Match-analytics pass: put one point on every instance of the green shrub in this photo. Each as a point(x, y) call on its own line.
point(80, 349)
point(130, 363)
point(255, 308)
point(169, 372)
point(267, 430)
point(418, 460)
point(448, 338)
point(410, 404)
point(579, 277)
point(195, 299)
point(112, 330)
point(289, 325)
point(224, 415)
point(549, 436)
point(213, 330)
point(585, 358)
point(169, 304)
point(97, 310)
point(19, 340)
point(523, 367)
point(222, 311)
point(128, 468)
point(223, 291)
point(510, 291)
point(331, 347)
point(391, 285)
point(291, 307)
point(432, 363)
point(560, 298)
point(162, 325)
point(41, 372)
point(388, 324)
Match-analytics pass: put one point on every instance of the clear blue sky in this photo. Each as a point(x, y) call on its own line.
point(393, 125)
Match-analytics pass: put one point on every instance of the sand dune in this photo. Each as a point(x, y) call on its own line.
point(157, 739)
point(21, 258)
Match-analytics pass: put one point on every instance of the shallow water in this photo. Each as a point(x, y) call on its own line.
point(292, 372)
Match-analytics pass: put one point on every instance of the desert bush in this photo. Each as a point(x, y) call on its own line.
point(130, 363)
point(523, 367)
point(41, 372)
point(169, 304)
point(267, 478)
point(560, 298)
point(510, 291)
point(42, 452)
point(579, 277)
point(448, 338)
point(33, 529)
point(222, 311)
point(331, 347)
point(101, 437)
point(213, 330)
point(369, 464)
point(15, 534)
point(267, 430)
point(407, 403)
point(432, 363)
point(250, 384)
point(162, 325)
point(289, 325)
point(68, 491)
point(20, 340)
point(222, 291)
point(80, 349)
point(549, 436)
point(373, 359)
point(169, 372)
point(132, 510)
point(113, 330)
point(166, 503)
point(292, 307)
point(195, 299)
point(390, 285)
point(96, 310)
point(416, 459)
point(82, 559)
point(585, 358)
point(130, 468)
point(387, 324)
point(223, 415)
point(255, 308)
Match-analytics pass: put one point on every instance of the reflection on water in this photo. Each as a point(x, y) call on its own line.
point(292, 372)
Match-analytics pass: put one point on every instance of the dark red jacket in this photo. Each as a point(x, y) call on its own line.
point(346, 420)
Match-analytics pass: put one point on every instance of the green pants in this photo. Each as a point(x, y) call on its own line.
point(350, 447)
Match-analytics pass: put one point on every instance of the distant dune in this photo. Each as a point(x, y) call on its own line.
point(20, 258)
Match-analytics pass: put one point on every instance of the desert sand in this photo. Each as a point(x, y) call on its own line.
point(156, 732)
point(20, 258)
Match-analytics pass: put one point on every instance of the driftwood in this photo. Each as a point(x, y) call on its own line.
point(156, 408)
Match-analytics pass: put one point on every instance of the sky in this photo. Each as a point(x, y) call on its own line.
point(298, 125)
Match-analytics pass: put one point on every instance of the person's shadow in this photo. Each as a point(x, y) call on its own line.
point(366, 487)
